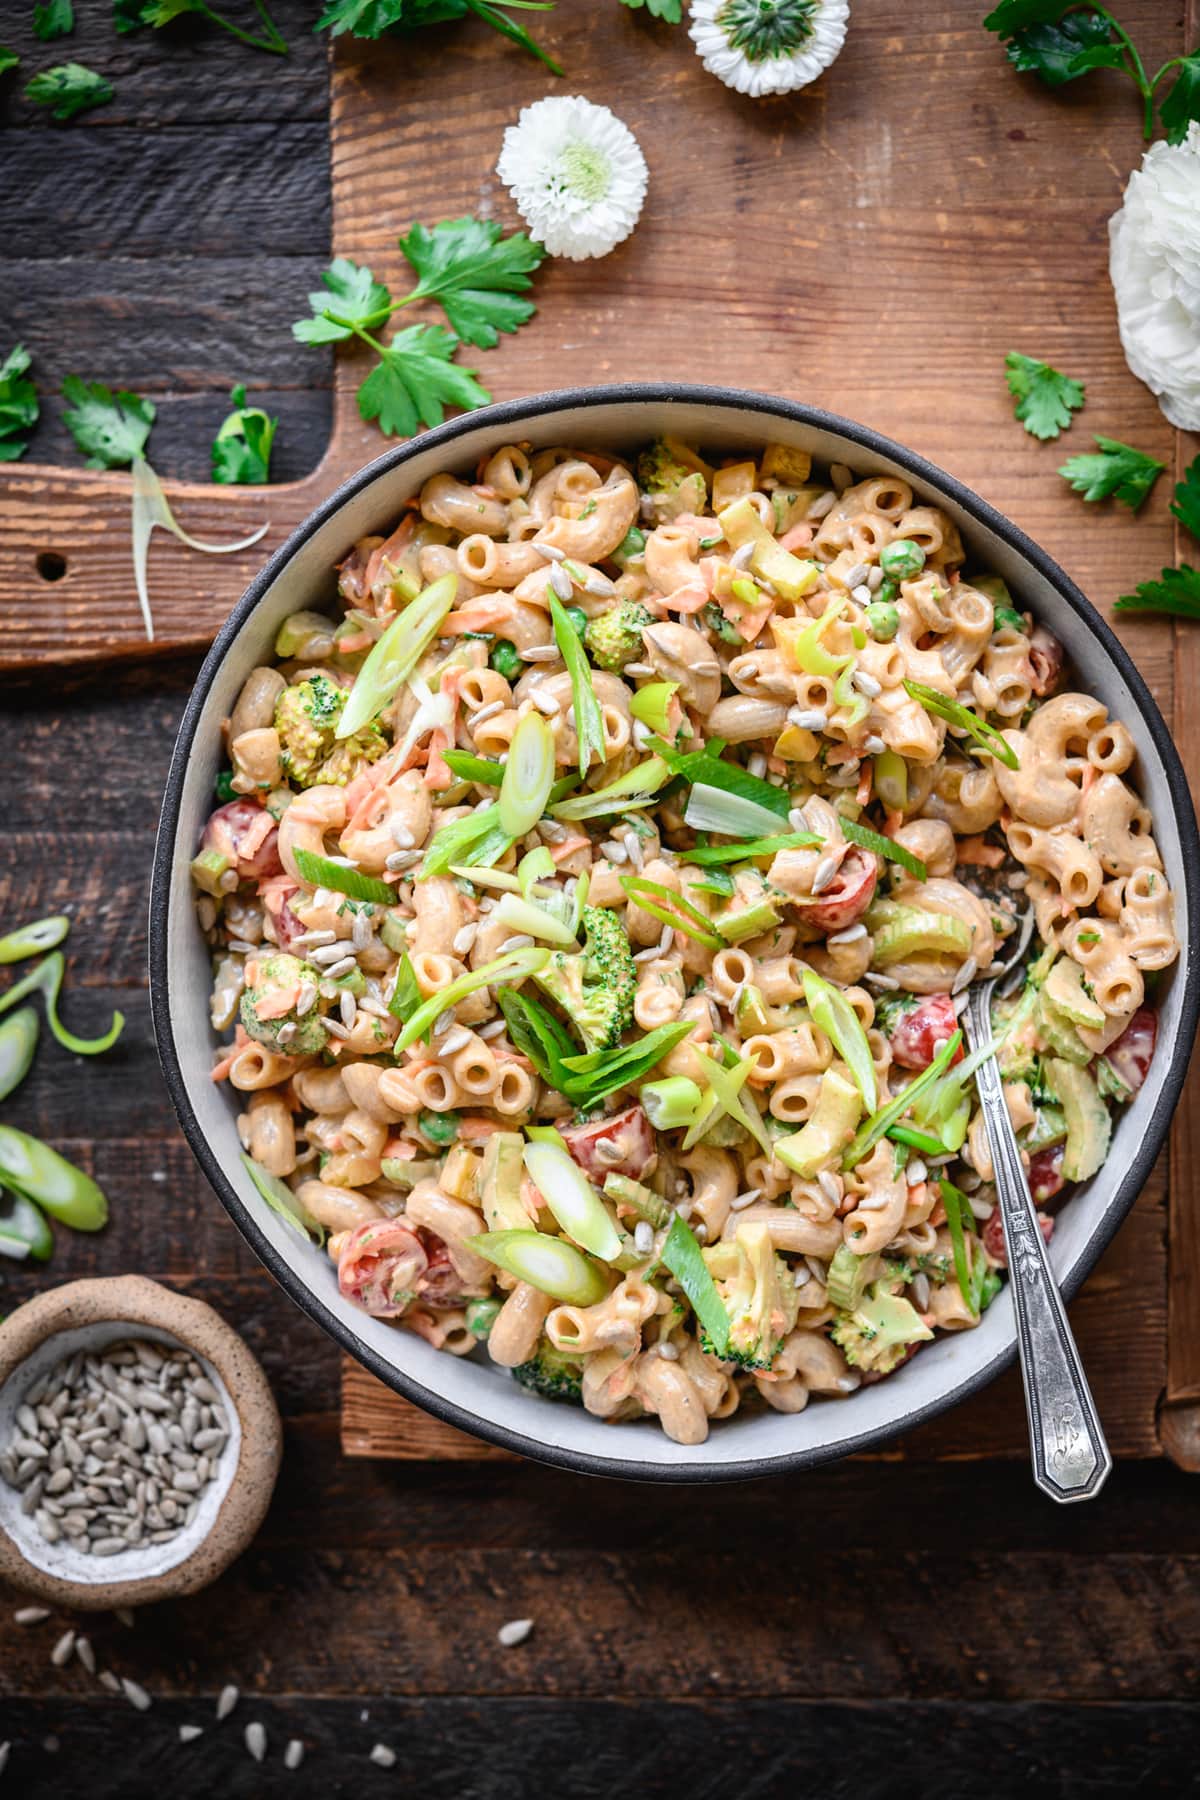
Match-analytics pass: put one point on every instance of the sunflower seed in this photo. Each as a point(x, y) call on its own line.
point(740, 1201)
point(31, 1615)
point(850, 935)
point(538, 653)
point(515, 1632)
point(256, 1739)
point(546, 703)
point(382, 1757)
point(227, 1699)
point(293, 1756)
point(826, 874)
point(136, 1694)
point(86, 1654)
point(965, 976)
point(189, 1733)
point(866, 684)
point(807, 719)
point(5, 1750)
point(60, 1656)
point(108, 1680)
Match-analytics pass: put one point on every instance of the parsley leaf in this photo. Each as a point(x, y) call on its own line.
point(127, 15)
point(241, 452)
point(475, 274)
point(1061, 51)
point(355, 301)
point(110, 429)
point(415, 378)
point(371, 18)
point(18, 404)
point(68, 89)
point(133, 15)
point(1014, 15)
point(8, 59)
point(1176, 591)
point(1115, 468)
point(1182, 104)
point(1186, 504)
point(53, 20)
point(1045, 399)
point(670, 10)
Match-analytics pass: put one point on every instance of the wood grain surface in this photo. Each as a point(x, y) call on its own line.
point(920, 1625)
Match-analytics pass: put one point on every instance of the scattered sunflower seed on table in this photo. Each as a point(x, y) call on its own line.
point(112, 1451)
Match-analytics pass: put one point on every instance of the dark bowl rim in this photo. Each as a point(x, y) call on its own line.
point(516, 412)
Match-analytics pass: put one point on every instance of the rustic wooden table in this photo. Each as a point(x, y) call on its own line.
point(924, 1622)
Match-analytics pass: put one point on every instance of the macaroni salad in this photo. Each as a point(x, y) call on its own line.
point(593, 897)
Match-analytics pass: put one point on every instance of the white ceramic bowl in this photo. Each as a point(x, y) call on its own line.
point(474, 1394)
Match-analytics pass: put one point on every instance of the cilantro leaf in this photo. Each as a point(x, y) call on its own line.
point(475, 274)
point(18, 404)
point(8, 59)
point(415, 379)
point(1176, 591)
point(53, 20)
point(1186, 504)
point(241, 452)
point(110, 429)
point(1061, 51)
point(1045, 399)
point(669, 10)
point(1182, 104)
point(68, 89)
point(354, 301)
point(1114, 469)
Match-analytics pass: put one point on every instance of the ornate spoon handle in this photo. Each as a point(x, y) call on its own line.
point(1071, 1460)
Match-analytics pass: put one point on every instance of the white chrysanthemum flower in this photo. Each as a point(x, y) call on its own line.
point(577, 174)
point(1154, 260)
point(768, 46)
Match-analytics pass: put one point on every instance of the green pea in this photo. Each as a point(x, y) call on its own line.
point(1008, 616)
point(223, 786)
point(481, 1316)
point(902, 559)
point(884, 620)
point(18, 1041)
point(578, 619)
point(439, 1127)
point(31, 940)
point(57, 1186)
point(506, 659)
point(632, 544)
point(23, 1230)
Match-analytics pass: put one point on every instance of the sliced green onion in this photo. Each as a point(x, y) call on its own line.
point(524, 916)
point(645, 1202)
point(18, 1041)
point(847, 696)
point(577, 1207)
point(47, 980)
point(881, 1122)
point(322, 871)
point(536, 865)
point(835, 1016)
point(466, 841)
point(670, 1104)
point(672, 909)
point(650, 704)
point(715, 809)
point(528, 775)
point(281, 1200)
point(714, 881)
point(501, 879)
point(24, 1230)
point(957, 1208)
point(681, 1254)
point(985, 735)
point(395, 656)
point(44, 1176)
point(883, 846)
point(31, 940)
point(406, 994)
point(891, 780)
point(589, 720)
point(708, 854)
point(706, 767)
point(589, 1078)
point(637, 787)
point(479, 769)
point(513, 967)
point(726, 1087)
point(810, 653)
point(916, 1140)
point(550, 1264)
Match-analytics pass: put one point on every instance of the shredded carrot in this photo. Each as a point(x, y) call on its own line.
point(892, 821)
point(386, 551)
point(798, 537)
point(687, 599)
point(978, 851)
point(866, 780)
point(278, 1002)
point(479, 615)
point(221, 1069)
point(938, 1215)
point(349, 645)
point(475, 1127)
point(400, 1149)
point(568, 847)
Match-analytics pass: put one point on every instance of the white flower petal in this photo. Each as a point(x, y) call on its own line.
point(1154, 260)
point(772, 74)
point(577, 175)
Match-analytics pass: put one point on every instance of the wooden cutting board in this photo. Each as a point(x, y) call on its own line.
point(873, 246)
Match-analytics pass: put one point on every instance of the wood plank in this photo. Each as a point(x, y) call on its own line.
point(758, 1749)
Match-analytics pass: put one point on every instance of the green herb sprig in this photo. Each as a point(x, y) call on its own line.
point(371, 19)
point(19, 407)
point(241, 452)
point(1045, 398)
point(68, 90)
point(136, 15)
point(1176, 591)
point(1113, 470)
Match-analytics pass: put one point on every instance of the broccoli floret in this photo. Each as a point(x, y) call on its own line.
point(595, 986)
point(615, 637)
point(306, 717)
point(551, 1373)
point(269, 1004)
point(758, 1294)
point(673, 486)
point(878, 1332)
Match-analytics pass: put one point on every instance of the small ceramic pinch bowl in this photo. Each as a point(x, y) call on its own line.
point(89, 1317)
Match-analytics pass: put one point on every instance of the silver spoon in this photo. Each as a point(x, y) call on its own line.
point(1071, 1460)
